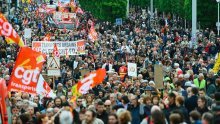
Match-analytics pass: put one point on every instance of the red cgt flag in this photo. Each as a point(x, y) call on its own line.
point(10, 34)
point(46, 38)
point(93, 36)
point(90, 81)
point(26, 71)
point(56, 51)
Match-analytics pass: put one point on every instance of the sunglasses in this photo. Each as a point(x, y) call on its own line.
point(107, 105)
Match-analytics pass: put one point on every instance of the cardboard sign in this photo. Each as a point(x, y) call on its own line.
point(158, 76)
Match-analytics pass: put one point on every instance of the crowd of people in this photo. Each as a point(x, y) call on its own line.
point(191, 89)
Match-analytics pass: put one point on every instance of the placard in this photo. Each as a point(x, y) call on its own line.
point(132, 69)
point(53, 66)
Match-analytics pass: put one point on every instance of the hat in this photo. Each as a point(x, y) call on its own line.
point(167, 79)
point(144, 81)
point(148, 88)
point(152, 82)
point(186, 76)
point(176, 65)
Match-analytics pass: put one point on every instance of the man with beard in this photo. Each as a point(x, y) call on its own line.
point(101, 113)
point(90, 118)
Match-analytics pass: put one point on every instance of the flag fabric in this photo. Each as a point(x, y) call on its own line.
point(25, 21)
point(90, 81)
point(93, 36)
point(79, 10)
point(217, 64)
point(67, 55)
point(3, 95)
point(59, 3)
point(10, 34)
point(56, 51)
point(72, 3)
point(26, 71)
point(43, 89)
point(46, 38)
point(77, 22)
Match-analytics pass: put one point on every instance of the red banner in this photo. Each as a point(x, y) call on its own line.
point(7, 30)
point(26, 71)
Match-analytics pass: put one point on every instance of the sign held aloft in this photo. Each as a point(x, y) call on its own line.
point(132, 69)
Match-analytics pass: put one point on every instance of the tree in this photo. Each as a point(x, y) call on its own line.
point(107, 10)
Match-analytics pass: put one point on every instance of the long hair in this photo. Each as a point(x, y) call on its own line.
point(125, 117)
point(158, 117)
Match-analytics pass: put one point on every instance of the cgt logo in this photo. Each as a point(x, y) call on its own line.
point(26, 76)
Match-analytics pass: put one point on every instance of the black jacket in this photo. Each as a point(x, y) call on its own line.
point(191, 103)
point(103, 117)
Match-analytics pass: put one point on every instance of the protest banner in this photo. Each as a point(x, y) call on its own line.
point(26, 71)
point(132, 69)
point(72, 47)
point(64, 18)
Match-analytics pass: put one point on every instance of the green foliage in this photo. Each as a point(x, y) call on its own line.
point(111, 9)
point(105, 9)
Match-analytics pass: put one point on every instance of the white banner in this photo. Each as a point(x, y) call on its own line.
point(70, 47)
point(132, 69)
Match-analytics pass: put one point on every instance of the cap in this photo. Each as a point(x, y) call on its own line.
point(152, 82)
point(167, 79)
point(148, 88)
point(186, 76)
point(176, 65)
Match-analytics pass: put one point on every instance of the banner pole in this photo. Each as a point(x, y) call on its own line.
point(54, 83)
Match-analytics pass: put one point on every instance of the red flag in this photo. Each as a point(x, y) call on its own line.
point(7, 30)
point(93, 36)
point(64, 29)
point(26, 71)
point(90, 81)
point(79, 10)
point(77, 22)
point(46, 38)
point(3, 95)
point(56, 51)
point(43, 88)
point(67, 55)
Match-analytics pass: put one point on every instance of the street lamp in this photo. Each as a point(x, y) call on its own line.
point(218, 16)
